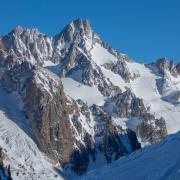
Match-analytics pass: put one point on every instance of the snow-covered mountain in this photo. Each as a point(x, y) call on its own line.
point(76, 103)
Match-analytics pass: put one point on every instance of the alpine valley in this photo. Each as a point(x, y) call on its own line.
point(72, 107)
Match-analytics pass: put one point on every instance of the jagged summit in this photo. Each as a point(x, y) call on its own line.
point(32, 45)
point(78, 26)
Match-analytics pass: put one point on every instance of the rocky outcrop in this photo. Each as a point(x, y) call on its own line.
point(165, 65)
point(178, 68)
point(127, 105)
point(167, 83)
point(151, 129)
point(29, 45)
point(1, 44)
point(74, 32)
point(111, 138)
point(45, 106)
point(122, 69)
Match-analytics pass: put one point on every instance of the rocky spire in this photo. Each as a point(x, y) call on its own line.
point(75, 31)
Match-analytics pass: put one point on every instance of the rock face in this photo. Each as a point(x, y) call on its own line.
point(165, 65)
point(74, 32)
point(67, 129)
point(115, 142)
point(121, 68)
point(45, 105)
point(168, 83)
point(151, 129)
point(1, 44)
point(28, 44)
point(127, 105)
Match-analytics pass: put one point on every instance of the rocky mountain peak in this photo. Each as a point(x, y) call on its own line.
point(165, 65)
point(28, 44)
point(21, 31)
point(79, 27)
point(76, 33)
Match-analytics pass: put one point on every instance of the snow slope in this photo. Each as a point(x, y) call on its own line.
point(115, 78)
point(145, 87)
point(88, 94)
point(157, 162)
point(26, 161)
point(101, 56)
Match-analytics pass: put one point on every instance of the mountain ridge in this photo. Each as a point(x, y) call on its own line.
point(86, 102)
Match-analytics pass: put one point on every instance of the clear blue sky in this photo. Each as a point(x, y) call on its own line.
point(143, 29)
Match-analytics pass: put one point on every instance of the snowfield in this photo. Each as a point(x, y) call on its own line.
point(115, 79)
point(101, 56)
point(88, 94)
point(156, 162)
point(145, 87)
